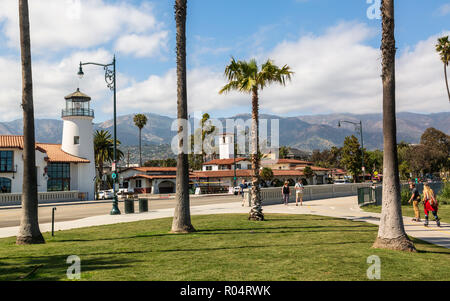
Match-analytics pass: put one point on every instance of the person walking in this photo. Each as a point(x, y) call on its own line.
point(430, 204)
point(415, 198)
point(242, 186)
point(299, 192)
point(286, 191)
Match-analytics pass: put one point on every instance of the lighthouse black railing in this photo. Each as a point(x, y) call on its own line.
point(77, 112)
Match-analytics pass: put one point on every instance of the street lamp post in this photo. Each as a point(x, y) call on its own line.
point(110, 78)
point(234, 159)
point(358, 126)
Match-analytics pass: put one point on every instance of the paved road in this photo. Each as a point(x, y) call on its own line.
point(70, 212)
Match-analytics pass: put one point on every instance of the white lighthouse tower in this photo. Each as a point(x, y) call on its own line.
point(78, 140)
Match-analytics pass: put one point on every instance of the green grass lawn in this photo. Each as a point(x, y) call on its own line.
point(227, 248)
point(443, 212)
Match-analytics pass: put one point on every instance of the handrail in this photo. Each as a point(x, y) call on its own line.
point(77, 112)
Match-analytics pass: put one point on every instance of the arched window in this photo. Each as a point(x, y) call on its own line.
point(5, 185)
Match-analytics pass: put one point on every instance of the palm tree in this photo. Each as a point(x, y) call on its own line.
point(206, 129)
point(248, 77)
point(391, 232)
point(104, 150)
point(182, 215)
point(29, 232)
point(140, 120)
point(443, 48)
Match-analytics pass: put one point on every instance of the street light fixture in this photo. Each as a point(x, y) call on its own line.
point(358, 126)
point(110, 78)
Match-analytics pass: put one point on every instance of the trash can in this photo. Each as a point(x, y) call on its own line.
point(143, 205)
point(129, 206)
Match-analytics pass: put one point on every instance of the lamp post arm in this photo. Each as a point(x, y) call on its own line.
point(97, 64)
point(110, 78)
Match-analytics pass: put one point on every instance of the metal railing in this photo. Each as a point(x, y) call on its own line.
point(374, 195)
point(77, 112)
point(273, 195)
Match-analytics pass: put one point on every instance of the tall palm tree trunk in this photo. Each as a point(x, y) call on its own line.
point(446, 81)
point(140, 150)
point(29, 232)
point(182, 216)
point(256, 211)
point(391, 233)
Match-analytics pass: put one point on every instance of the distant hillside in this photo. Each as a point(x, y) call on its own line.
point(303, 132)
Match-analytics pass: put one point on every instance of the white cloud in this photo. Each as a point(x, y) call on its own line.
point(444, 9)
point(334, 73)
point(158, 94)
point(51, 82)
point(57, 24)
point(142, 45)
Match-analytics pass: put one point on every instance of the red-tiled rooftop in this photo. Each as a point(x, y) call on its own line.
point(53, 151)
point(56, 155)
point(243, 173)
point(155, 169)
point(154, 177)
point(11, 141)
point(314, 168)
point(292, 161)
point(224, 161)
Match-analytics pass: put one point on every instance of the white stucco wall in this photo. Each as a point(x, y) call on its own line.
point(226, 149)
point(82, 127)
point(17, 181)
point(78, 126)
point(86, 178)
point(73, 176)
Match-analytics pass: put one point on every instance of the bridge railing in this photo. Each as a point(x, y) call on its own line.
point(273, 195)
point(374, 195)
point(9, 199)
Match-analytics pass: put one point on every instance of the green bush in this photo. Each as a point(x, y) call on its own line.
point(405, 195)
point(444, 196)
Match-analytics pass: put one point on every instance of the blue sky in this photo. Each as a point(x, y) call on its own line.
point(331, 45)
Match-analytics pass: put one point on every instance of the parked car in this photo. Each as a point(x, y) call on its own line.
point(342, 181)
point(105, 194)
point(125, 190)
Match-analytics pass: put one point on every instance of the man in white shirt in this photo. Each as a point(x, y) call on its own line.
point(299, 192)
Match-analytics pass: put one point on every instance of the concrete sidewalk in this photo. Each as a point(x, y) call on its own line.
point(340, 208)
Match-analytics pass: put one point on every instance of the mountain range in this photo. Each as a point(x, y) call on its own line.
point(302, 132)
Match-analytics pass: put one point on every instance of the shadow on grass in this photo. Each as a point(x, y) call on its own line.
point(55, 267)
point(234, 231)
point(59, 260)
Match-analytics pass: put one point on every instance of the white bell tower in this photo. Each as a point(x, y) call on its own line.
point(78, 140)
point(226, 146)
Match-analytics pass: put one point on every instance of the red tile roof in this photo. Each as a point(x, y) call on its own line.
point(243, 173)
point(314, 168)
point(292, 161)
point(224, 161)
point(53, 151)
point(56, 155)
point(9, 141)
point(156, 169)
point(151, 177)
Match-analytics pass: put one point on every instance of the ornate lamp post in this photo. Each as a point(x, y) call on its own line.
point(110, 78)
point(358, 127)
